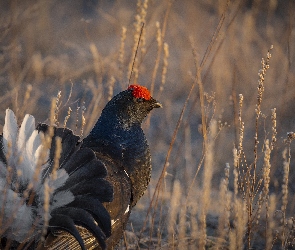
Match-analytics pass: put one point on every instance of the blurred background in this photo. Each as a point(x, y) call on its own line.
point(85, 49)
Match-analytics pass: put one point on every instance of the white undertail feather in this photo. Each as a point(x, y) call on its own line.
point(17, 217)
point(22, 148)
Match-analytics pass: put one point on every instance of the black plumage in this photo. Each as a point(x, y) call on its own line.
point(101, 177)
point(88, 185)
point(119, 141)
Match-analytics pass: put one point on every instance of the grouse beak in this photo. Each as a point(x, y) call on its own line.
point(156, 104)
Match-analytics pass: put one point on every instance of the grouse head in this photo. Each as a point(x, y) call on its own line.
point(131, 106)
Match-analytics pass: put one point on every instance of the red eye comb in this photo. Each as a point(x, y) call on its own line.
point(140, 92)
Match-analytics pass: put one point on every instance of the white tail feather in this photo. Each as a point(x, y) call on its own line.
point(19, 146)
point(25, 131)
point(22, 148)
point(33, 144)
point(10, 131)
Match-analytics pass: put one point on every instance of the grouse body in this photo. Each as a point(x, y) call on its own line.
point(92, 187)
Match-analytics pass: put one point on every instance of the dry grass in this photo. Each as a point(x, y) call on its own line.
point(223, 176)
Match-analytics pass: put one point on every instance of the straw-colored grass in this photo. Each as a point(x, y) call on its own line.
point(221, 147)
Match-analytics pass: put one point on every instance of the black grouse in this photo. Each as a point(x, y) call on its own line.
point(61, 192)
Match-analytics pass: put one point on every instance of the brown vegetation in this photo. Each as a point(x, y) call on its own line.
point(221, 147)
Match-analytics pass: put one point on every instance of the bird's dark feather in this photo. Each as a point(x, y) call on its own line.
point(86, 182)
point(92, 205)
point(84, 219)
point(92, 169)
point(96, 186)
point(66, 223)
point(80, 158)
point(2, 156)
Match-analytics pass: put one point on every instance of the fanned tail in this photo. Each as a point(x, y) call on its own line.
point(35, 195)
